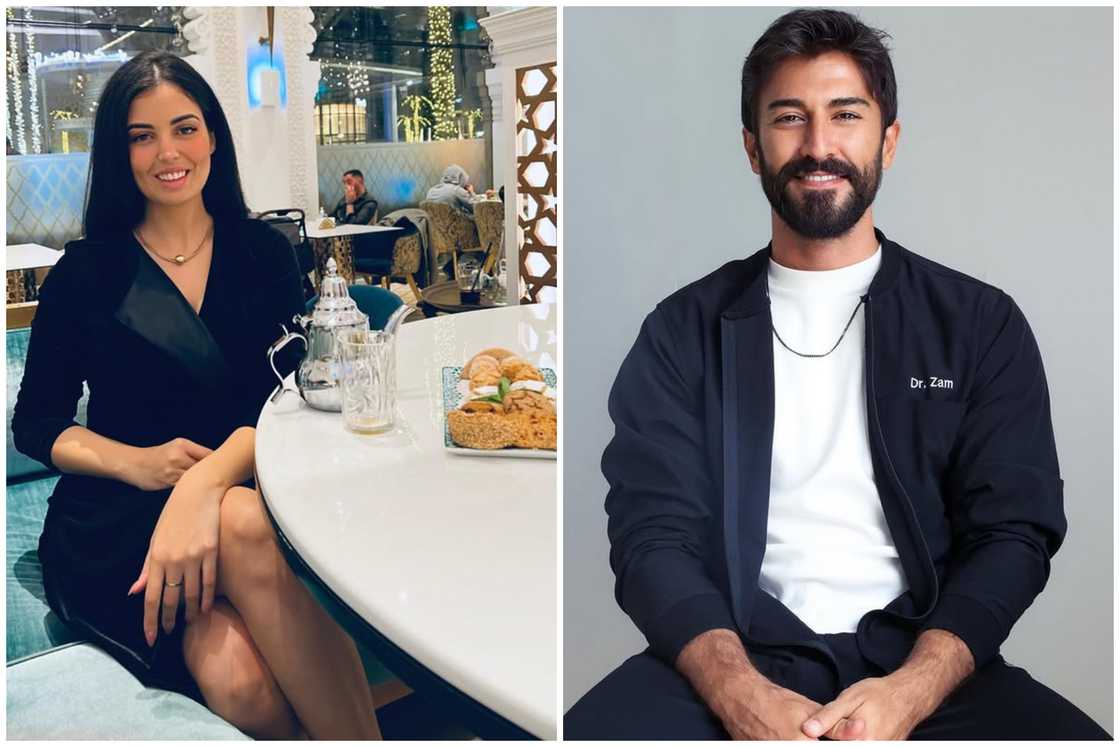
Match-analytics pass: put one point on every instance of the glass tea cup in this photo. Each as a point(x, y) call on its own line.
point(469, 267)
point(368, 380)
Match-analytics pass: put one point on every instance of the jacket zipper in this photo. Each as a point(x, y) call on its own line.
point(890, 464)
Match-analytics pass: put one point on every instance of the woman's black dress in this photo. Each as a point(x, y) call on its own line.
point(109, 316)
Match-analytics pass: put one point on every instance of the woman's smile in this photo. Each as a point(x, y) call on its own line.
point(173, 178)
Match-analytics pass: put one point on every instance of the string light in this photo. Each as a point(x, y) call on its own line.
point(32, 87)
point(347, 75)
point(357, 79)
point(442, 73)
point(15, 86)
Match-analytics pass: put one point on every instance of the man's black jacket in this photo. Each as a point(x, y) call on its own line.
point(961, 443)
point(365, 210)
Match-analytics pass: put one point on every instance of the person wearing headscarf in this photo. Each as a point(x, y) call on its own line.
point(454, 189)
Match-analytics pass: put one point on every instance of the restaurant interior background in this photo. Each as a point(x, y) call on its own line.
point(397, 92)
point(400, 93)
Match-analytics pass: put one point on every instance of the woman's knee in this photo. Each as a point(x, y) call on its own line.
point(243, 519)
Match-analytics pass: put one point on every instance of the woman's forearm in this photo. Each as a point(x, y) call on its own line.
point(80, 451)
point(232, 462)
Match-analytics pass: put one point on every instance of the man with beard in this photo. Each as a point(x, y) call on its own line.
point(834, 486)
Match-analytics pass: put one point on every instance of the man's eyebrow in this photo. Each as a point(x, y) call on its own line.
point(798, 103)
point(146, 126)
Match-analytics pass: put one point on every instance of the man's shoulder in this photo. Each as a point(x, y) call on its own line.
point(931, 271)
point(949, 289)
point(708, 296)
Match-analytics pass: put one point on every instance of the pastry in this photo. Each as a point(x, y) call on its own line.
point(481, 430)
point(495, 354)
point(515, 368)
point(482, 371)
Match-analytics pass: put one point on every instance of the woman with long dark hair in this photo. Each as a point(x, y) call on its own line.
point(156, 543)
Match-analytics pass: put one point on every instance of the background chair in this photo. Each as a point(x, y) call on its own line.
point(375, 302)
point(489, 216)
point(391, 255)
point(453, 233)
point(292, 223)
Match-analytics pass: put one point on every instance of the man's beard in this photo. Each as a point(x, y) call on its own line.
point(820, 213)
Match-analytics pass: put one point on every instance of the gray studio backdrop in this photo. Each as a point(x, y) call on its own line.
point(1003, 171)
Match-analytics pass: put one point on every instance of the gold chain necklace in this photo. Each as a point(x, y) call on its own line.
point(178, 260)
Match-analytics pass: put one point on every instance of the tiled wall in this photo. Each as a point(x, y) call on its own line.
point(398, 175)
point(45, 198)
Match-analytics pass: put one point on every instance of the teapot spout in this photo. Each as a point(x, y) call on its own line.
point(397, 317)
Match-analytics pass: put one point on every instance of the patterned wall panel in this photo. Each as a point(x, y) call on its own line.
point(398, 175)
point(45, 198)
point(536, 181)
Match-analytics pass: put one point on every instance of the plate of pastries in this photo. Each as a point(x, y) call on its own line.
point(500, 404)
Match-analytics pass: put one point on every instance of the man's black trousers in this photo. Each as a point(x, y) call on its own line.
point(647, 699)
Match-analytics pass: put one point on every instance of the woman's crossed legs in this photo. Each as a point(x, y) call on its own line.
point(267, 657)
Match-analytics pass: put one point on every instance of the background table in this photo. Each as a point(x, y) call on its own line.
point(22, 257)
point(445, 297)
point(444, 565)
point(336, 242)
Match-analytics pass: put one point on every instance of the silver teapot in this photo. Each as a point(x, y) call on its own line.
point(335, 314)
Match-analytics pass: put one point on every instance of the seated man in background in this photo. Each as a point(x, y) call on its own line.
point(356, 205)
point(454, 189)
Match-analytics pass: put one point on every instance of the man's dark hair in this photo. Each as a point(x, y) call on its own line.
point(114, 202)
point(810, 32)
point(355, 173)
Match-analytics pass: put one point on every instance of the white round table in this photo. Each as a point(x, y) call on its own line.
point(450, 558)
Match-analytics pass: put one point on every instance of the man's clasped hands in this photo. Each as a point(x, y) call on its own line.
point(750, 706)
point(874, 708)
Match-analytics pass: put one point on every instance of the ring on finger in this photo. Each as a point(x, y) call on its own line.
point(173, 584)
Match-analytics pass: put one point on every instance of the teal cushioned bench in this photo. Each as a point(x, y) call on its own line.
point(31, 626)
point(79, 692)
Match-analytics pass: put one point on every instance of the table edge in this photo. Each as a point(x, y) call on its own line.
point(415, 674)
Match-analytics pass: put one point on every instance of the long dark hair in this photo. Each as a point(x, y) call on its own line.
point(811, 32)
point(113, 201)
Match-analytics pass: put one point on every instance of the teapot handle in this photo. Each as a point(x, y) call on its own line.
point(273, 349)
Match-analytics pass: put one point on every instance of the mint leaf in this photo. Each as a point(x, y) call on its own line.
point(503, 388)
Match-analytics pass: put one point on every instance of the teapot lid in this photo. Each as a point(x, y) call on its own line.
point(335, 307)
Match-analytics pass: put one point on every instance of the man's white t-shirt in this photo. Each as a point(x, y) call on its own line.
point(829, 555)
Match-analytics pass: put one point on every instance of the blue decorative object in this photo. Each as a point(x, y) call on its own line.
point(404, 188)
point(256, 61)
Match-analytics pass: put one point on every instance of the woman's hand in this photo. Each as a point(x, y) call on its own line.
point(159, 467)
point(182, 561)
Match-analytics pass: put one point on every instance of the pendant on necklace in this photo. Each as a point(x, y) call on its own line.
point(180, 259)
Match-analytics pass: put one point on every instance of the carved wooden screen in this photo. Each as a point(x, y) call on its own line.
point(536, 182)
